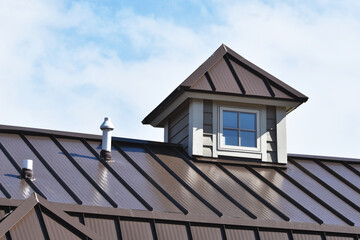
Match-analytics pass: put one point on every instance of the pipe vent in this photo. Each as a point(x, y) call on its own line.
point(107, 126)
point(27, 172)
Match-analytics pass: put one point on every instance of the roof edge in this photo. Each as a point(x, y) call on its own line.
point(323, 158)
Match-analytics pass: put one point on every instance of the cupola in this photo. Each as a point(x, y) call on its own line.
point(228, 108)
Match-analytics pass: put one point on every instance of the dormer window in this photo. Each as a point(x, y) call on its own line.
point(228, 108)
point(239, 129)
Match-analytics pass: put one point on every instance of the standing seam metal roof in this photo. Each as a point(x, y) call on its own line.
point(151, 182)
point(225, 72)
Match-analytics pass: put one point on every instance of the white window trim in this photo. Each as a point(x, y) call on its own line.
point(221, 144)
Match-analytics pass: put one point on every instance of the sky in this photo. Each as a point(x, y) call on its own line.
point(65, 65)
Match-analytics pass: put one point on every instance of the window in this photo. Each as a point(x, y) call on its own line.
point(239, 128)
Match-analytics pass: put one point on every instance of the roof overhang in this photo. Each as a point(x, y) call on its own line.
point(227, 76)
point(158, 116)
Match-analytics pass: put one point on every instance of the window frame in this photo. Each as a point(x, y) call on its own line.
point(221, 142)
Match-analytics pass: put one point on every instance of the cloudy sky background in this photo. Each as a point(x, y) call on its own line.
point(66, 64)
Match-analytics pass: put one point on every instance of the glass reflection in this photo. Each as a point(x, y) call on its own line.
point(230, 119)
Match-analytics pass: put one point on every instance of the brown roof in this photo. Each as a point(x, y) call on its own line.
point(228, 73)
point(155, 191)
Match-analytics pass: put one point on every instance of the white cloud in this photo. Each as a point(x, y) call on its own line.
point(67, 66)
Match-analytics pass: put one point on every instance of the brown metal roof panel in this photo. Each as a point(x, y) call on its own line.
point(285, 185)
point(306, 236)
point(211, 61)
point(266, 74)
point(29, 227)
point(279, 93)
point(202, 84)
point(166, 231)
point(356, 167)
point(271, 235)
point(166, 181)
point(66, 170)
point(108, 228)
point(323, 193)
point(206, 233)
point(235, 234)
point(253, 84)
point(2, 214)
point(9, 178)
point(172, 159)
point(269, 194)
point(57, 230)
point(223, 79)
point(100, 174)
point(137, 181)
point(45, 181)
point(131, 230)
point(237, 192)
point(344, 172)
point(332, 181)
point(333, 237)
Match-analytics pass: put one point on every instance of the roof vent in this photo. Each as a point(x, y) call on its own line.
point(27, 170)
point(107, 126)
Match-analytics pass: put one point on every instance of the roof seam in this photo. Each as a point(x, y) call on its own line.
point(210, 81)
point(51, 170)
point(152, 181)
point(236, 77)
point(118, 177)
point(285, 195)
point(217, 187)
point(17, 167)
point(338, 176)
point(316, 198)
point(182, 182)
point(253, 193)
point(84, 173)
point(327, 186)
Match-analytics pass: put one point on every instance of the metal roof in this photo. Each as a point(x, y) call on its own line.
point(155, 191)
point(228, 73)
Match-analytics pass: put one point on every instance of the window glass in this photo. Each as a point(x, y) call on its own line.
point(231, 137)
point(239, 128)
point(230, 119)
point(247, 121)
point(248, 139)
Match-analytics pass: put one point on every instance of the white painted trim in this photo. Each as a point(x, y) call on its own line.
point(263, 134)
point(216, 97)
point(196, 133)
point(166, 112)
point(253, 155)
point(262, 154)
point(224, 147)
point(240, 99)
point(281, 135)
point(166, 132)
point(215, 130)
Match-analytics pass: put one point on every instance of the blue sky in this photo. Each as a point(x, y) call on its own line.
point(66, 64)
